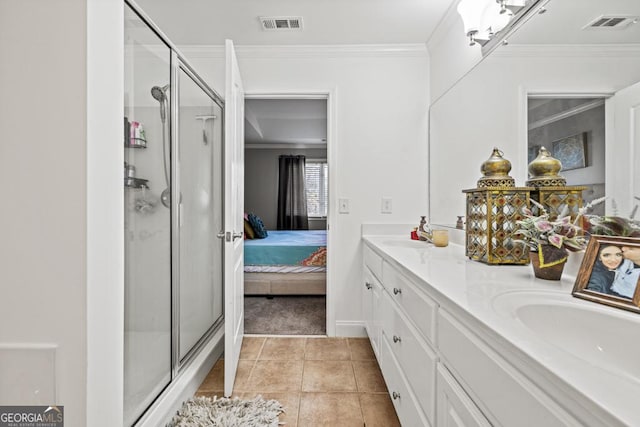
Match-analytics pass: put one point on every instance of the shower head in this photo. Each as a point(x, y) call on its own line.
point(160, 95)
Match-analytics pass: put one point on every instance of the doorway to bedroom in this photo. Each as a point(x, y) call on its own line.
point(286, 205)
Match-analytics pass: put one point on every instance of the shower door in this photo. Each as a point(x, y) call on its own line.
point(147, 317)
point(173, 214)
point(199, 212)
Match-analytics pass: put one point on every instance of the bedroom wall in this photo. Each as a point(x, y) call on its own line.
point(261, 183)
point(381, 118)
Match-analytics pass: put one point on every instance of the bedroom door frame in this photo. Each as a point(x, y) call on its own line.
point(330, 96)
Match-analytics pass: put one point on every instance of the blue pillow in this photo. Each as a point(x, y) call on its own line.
point(257, 225)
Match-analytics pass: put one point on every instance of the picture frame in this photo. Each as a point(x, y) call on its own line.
point(610, 272)
point(571, 151)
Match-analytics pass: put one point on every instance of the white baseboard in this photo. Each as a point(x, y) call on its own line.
point(350, 328)
point(185, 385)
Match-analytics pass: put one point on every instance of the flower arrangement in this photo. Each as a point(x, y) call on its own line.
point(561, 233)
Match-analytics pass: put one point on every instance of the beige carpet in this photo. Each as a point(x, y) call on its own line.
point(285, 315)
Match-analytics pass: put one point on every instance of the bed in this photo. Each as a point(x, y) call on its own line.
point(286, 262)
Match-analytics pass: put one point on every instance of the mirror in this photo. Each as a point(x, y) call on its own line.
point(610, 272)
point(555, 54)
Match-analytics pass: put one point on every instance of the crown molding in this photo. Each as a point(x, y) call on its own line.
point(418, 50)
point(569, 50)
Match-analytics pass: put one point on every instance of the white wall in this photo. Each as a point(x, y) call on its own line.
point(261, 181)
point(43, 218)
point(381, 100)
point(487, 108)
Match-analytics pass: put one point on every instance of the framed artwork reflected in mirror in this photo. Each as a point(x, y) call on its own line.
point(610, 272)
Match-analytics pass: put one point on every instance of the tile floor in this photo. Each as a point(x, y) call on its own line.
point(320, 381)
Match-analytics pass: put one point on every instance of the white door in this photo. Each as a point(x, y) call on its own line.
point(623, 149)
point(233, 219)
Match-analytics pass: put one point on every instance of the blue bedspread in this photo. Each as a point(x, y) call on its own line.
point(298, 247)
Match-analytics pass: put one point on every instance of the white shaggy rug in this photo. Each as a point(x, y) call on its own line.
point(204, 411)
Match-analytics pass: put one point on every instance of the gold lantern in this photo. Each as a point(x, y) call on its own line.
point(550, 189)
point(492, 211)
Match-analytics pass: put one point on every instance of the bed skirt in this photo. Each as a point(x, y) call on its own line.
point(285, 283)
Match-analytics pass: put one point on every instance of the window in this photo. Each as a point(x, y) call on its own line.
point(317, 185)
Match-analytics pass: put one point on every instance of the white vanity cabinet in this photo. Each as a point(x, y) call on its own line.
point(441, 367)
point(400, 322)
point(505, 395)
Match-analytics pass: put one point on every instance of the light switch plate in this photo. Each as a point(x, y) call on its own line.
point(386, 207)
point(343, 206)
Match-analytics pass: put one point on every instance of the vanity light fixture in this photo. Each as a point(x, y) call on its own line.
point(483, 19)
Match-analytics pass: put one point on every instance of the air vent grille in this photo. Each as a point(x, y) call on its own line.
point(611, 22)
point(281, 23)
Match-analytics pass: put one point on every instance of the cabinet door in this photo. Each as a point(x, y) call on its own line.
point(455, 408)
point(371, 308)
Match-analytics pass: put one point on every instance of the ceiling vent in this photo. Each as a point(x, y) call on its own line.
point(612, 22)
point(281, 23)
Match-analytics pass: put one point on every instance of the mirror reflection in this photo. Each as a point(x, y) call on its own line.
point(565, 73)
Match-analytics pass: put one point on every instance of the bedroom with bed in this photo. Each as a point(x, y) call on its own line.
point(285, 246)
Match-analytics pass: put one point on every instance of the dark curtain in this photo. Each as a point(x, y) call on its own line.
point(292, 197)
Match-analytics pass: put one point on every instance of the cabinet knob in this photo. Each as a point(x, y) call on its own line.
point(397, 291)
point(368, 285)
point(395, 395)
point(396, 338)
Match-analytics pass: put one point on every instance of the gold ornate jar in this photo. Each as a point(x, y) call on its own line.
point(493, 209)
point(550, 189)
point(544, 170)
point(495, 171)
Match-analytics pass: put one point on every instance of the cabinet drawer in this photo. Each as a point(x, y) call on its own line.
point(455, 409)
point(403, 399)
point(373, 261)
point(419, 308)
point(503, 394)
point(415, 357)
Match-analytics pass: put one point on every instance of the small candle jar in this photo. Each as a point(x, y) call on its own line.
point(440, 238)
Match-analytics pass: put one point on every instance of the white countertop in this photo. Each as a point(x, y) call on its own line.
point(474, 287)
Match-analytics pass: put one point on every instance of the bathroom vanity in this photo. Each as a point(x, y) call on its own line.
point(461, 343)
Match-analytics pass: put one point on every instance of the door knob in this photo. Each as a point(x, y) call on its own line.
point(397, 291)
point(237, 235)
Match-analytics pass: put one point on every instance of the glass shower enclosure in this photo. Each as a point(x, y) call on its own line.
point(173, 175)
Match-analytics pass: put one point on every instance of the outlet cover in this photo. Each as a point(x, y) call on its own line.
point(343, 206)
point(387, 207)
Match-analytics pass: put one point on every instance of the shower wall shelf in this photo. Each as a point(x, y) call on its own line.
point(131, 182)
point(136, 143)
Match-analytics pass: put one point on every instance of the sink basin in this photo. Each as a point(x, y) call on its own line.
point(602, 336)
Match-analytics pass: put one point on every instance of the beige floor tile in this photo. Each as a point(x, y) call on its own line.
point(275, 375)
point(327, 349)
point(360, 349)
point(368, 376)
point(328, 375)
point(378, 410)
point(289, 400)
point(330, 409)
point(283, 349)
point(251, 347)
point(214, 380)
point(242, 375)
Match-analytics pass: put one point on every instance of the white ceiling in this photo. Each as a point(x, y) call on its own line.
point(301, 122)
point(325, 22)
point(209, 22)
point(564, 23)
